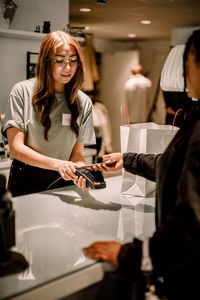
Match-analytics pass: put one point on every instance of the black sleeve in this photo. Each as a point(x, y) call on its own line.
point(176, 243)
point(141, 164)
point(129, 259)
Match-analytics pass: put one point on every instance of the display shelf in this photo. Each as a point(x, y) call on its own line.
point(13, 33)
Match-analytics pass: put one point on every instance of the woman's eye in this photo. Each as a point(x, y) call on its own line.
point(74, 60)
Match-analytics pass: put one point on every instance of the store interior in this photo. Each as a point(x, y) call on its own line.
point(106, 28)
point(114, 35)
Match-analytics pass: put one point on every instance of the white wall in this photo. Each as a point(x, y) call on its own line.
point(115, 72)
point(13, 64)
point(30, 13)
point(180, 35)
point(13, 50)
point(152, 56)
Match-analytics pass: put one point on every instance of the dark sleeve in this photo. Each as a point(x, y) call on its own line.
point(141, 164)
point(129, 259)
point(175, 245)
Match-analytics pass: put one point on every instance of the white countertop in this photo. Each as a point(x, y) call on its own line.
point(52, 228)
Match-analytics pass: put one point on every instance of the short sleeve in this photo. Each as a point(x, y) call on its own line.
point(14, 116)
point(86, 131)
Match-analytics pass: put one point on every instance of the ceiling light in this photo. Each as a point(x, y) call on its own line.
point(87, 27)
point(85, 9)
point(131, 35)
point(146, 22)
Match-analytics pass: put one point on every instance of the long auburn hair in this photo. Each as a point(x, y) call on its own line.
point(44, 94)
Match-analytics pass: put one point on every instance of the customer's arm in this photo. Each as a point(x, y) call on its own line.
point(141, 164)
point(127, 257)
point(138, 164)
point(175, 244)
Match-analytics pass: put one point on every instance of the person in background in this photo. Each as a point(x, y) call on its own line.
point(175, 246)
point(49, 120)
point(102, 127)
point(138, 95)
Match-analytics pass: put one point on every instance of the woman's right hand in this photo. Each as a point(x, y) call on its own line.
point(113, 162)
point(67, 169)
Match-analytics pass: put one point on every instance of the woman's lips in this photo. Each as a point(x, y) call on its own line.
point(65, 75)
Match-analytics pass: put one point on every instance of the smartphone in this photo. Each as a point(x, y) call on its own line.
point(108, 162)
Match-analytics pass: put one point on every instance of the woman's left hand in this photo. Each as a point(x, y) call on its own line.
point(81, 183)
point(68, 173)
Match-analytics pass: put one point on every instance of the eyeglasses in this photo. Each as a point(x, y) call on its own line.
point(73, 62)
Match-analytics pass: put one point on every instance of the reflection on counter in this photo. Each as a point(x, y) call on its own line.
point(52, 227)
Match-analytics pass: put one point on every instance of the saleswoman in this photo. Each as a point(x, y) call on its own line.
point(49, 120)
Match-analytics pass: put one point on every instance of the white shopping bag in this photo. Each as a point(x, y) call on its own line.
point(147, 138)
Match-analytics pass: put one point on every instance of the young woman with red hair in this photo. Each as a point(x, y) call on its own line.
point(49, 119)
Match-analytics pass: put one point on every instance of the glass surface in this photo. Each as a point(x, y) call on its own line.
point(52, 228)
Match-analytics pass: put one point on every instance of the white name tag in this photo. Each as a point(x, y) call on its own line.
point(66, 119)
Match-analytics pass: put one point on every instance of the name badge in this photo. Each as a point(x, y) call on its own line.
point(66, 119)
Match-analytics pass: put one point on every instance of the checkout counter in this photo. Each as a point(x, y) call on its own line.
point(52, 227)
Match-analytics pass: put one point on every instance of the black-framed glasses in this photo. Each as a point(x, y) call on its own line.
point(73, 62)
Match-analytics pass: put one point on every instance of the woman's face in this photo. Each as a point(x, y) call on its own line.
point(65, 62)
point(193, 74)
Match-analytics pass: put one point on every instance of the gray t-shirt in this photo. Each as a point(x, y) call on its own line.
point(61, 139)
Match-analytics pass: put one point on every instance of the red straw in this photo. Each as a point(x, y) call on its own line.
point(126, 113)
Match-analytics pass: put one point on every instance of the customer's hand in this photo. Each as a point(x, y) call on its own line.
point(113, 162)
point(107, 251)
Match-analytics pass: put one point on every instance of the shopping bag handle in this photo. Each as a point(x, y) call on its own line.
point(176, 116)
point(127, 113)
